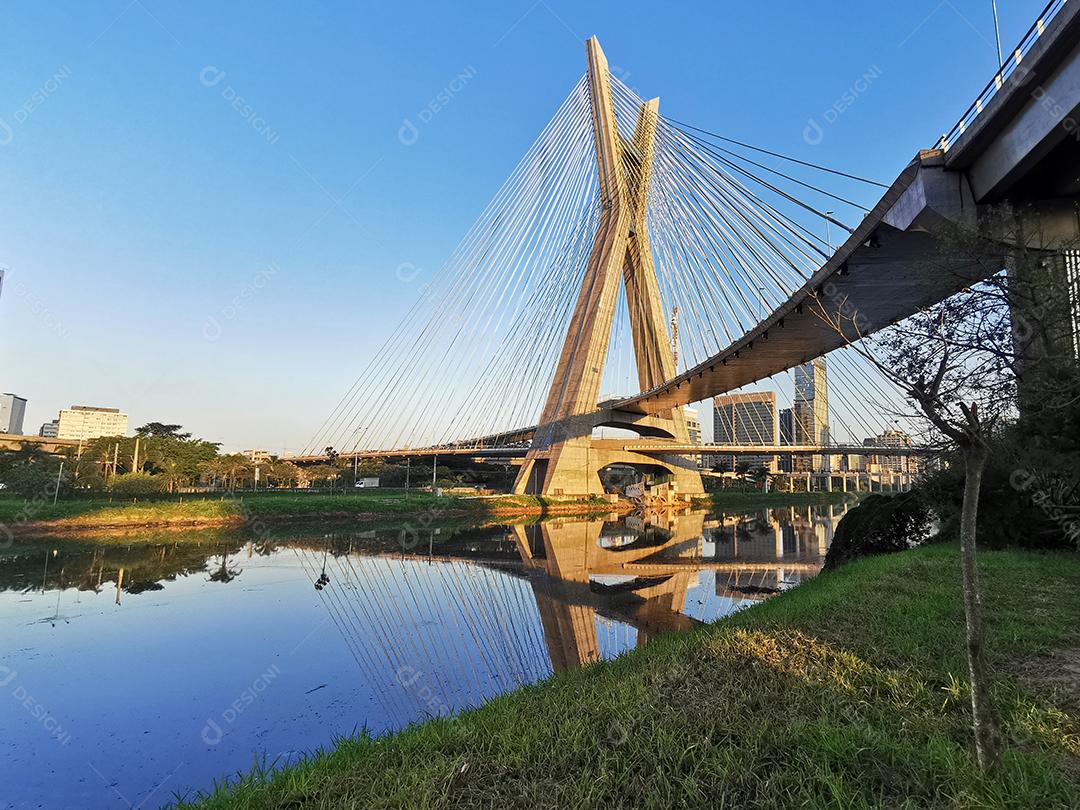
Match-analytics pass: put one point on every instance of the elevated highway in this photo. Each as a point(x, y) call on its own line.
point(12, 441)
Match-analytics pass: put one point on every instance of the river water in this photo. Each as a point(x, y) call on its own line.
point(138, 670)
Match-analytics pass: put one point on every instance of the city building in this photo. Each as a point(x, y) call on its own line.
point(86, 422)
point(693, 424)
point(848, 462)
point(12, 411)
point(883, 463)
point(811, 413)
point(257, 456)
point(693, 430)
point(745, 419)
point(49, 430)
point(786, 424)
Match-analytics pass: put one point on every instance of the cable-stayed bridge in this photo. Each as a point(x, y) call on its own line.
point(631, 252)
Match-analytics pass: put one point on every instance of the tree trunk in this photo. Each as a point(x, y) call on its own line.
point(984, 719)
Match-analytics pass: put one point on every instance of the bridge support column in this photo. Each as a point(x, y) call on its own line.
point(564, 459)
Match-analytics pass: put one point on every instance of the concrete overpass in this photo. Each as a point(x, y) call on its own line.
point(631, 445)
point(12, 441)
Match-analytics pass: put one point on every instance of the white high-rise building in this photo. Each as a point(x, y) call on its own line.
point(693, 430)
point(85, 422)
point(811, 412)
point(12, 411)
point(693, 424)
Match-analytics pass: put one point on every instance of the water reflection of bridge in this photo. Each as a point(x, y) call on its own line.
point(639, 571)
point(459, 606)
point(645, 574)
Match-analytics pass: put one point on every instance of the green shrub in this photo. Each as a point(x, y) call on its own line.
point(880, 524)
point(35, 480)
point(134, 485)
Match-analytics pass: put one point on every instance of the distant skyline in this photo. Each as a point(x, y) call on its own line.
point(213, 217)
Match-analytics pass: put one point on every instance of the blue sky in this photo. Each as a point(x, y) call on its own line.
point(205, 206)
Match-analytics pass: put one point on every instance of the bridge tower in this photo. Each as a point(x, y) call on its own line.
point(564, 458)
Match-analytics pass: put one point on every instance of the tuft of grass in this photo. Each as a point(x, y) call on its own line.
point(849, 691)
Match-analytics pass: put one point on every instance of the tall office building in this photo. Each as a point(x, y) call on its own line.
point(85, 422)
point(48, 429)
point(811, 412)
point(786, 423)
point(12, 411)
point(746, 419)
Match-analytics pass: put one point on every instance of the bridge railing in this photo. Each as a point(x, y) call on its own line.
point(1011, 66)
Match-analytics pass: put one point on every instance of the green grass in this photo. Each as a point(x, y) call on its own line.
point(249, 507)
point(848, 691)
point(208, 510)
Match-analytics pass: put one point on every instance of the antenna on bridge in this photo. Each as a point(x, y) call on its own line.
point(675, 335)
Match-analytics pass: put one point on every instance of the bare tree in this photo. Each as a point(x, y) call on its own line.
point(966, 364)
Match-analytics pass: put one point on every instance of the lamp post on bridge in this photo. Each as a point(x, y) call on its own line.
point(997, 36)
point(355, 454)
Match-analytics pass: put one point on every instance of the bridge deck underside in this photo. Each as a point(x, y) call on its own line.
point(882, 274)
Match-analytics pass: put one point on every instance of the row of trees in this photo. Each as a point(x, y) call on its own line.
point(164, 458)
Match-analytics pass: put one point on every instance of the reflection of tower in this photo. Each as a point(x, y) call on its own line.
point(811, 412)
point(569, 623)
point(571, 591)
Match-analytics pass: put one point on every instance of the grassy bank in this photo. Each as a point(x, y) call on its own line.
point(733, 499)
point(85, 514)
point(248, 508)
point(846, 692)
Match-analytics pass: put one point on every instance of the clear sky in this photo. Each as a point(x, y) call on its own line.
point(213, 213)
